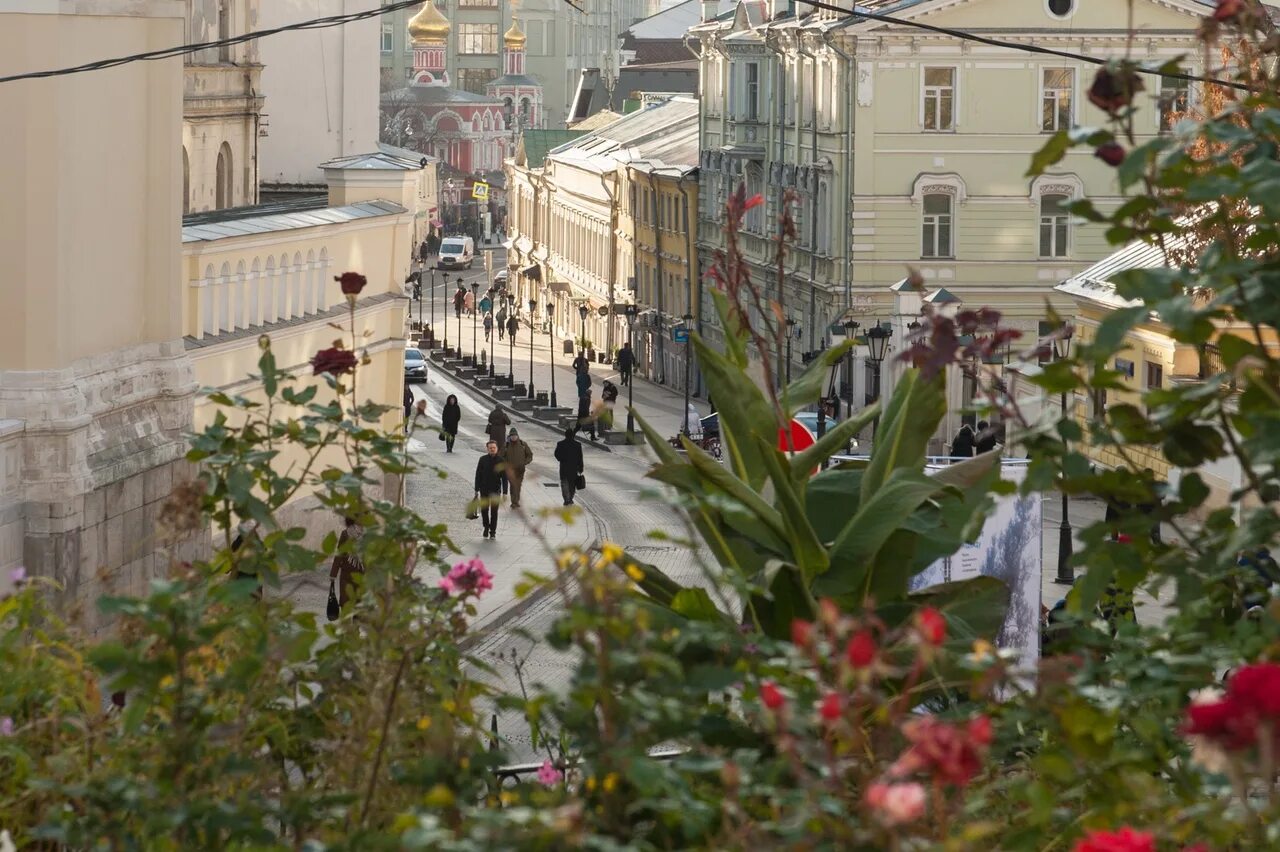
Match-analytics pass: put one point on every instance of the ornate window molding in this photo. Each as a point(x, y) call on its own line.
point(1069, 185)
point(938, 184)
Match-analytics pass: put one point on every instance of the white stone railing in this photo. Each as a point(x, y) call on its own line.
point(258, 292)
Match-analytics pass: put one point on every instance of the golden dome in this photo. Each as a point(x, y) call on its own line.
point(514, 38)
point(429, 24)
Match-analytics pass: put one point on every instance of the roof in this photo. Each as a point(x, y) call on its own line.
point(1095, 284)
point(435, 95)
point(378, 161)
point(670, 23)
point(208, 228)
point(315, 201)
point(513, 80)
point(653, 134)
point(405, 153)
point(603, 118)
point(537, 143)
point(688, 63)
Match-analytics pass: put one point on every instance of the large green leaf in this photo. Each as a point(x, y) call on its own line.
point(831, 499)
point(788, 599)
point(806, 390)
point(910, 420)
point(743, 412)
point(713, 473)
point(809, 554)
point(879, 515)
point(975, 608)
point(803, 462)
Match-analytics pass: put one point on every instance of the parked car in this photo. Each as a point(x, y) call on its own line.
point(456, 253)
point(415, 365)
point(502, 278)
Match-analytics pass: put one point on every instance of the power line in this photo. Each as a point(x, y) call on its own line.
point(340, 20)
point(181, 50)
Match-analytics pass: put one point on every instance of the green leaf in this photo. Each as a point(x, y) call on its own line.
point(831, 499)
point(832, 442)
point(809, 554)
point(695, 605)
point(914, 412)
point(1051, 153)
point(740, 421)
point(807, 389)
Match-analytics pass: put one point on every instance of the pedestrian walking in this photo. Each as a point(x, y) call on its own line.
point(488, 326)
point(347, 567)
point(497, 426)
point(569, 455)
point(692, 421)
point(586, 419)
point(408, 405)
point(626, 362)
point(449, 422)
point(518, 456)
point(513, 325)
point(581, 364)
point(489, 476)
point(501, 320)
point(459, 300)
point(469, 302)
point(986, 437)
point(962, 445)
point(424, 251)
point(486, 302)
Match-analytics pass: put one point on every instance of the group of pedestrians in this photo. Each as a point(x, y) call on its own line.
point(969, 442)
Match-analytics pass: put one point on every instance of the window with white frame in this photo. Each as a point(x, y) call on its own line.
point(824, 219)
point(1057, 86)
point(939, 98)
point(1175, 101)
point(388, 38)
point(751, 104)
point(755, 186)
point(936, 226)
point(1054, 226)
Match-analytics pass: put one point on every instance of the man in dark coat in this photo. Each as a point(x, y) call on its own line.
point(408, 406)
point(459, 300)
point(986, 437)
point(489, 476)
point(569, 455)
point(962, 444)
point(513, 325)
point(626, 362)
point(497, 426)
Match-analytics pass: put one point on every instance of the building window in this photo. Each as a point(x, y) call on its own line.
point(824, 219)
point(1155, 375)
point(477, 38)
point(753, 91)
point(1055, 99)
point(1053, 225)
point(936, 233)
point(388, 37)
point(477, 4)
point(222, 178)
point(224, 30)
point(939, 98)
point(1175, 101)
point(474, 80)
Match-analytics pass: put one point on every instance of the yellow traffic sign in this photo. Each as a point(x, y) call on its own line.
point(480, 191)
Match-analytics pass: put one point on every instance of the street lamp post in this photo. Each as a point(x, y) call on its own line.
point(632, 311)
point(533, 307)
point(877, 343)
point(432, 299)
point(688, 318)
point(582, 312)
point(475, 309)
point(511, 341)
point(551, 337)
point(791, 323)
point(460, 289)
point(849, 328)
point(1066, 574)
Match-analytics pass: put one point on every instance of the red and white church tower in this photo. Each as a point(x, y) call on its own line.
point(520, 94)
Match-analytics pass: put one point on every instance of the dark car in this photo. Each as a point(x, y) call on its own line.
point(415, 366)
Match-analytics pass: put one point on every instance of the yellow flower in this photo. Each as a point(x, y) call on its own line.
point(424, 723)
point(610, 552)
point(610, 782)
point(591, 783)
point(508, 798)
point(982, 651)
point(439, 796)
point(634, 572)
point(166, 682)
point(449, 705)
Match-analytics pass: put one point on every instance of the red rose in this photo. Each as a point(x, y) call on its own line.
point(980, 730)
point(1111, 153)
point(1228, 10)
point(832, 708)
point(1124, 840)
point(951, 753)
point(1257, 687)
point(771, 696)
point(931, 625)
point(333, 361)
point(861, 651)
point(1227, 722)
point(351, 283)
point(801, 632)
point(1112, 91)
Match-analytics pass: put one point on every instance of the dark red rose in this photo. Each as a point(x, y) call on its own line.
point(1112, 91)
point(1227, 722)
point(333, 361)
point(1124, 840)
point(1111, 153)
point(861, 651)
point(351, 283)
point(1228, 10)
point(952, 753)
point(1257, 686)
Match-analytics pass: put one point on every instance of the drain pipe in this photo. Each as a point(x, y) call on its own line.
point(851, 83)
point(813, 199)
point(778, 129)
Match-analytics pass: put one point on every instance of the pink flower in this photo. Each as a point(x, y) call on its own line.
point(896, 804)
point(801, 632)
point(831, 708)
point(931, 625)
point(6, 726)
point(951, 753)
point(771, 695)
point(17, 575)
point(548, 775)
point(1124, 840)
point(467, 578)
point(861, 650)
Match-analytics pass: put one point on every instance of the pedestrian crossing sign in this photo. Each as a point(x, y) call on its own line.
point(480, 191)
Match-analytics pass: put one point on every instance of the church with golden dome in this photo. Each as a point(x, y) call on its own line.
point(520, 93)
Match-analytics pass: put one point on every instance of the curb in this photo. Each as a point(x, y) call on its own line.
point(514, 412)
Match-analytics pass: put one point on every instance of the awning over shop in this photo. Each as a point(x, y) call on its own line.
point(559, 286)
point(532, 271)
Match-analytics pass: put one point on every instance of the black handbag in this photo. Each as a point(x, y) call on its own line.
point(440, 435)
point(332, 610)
point(580, 482)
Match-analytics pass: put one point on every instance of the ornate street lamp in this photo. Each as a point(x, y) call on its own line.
point(1066, 574)
point(551, 337)
point(877, 345)
point(582, 312)
point(850, 326)
point(511, 341)
point(475, 309)
point(432, 299)
point(533, 307)
point(791, 323)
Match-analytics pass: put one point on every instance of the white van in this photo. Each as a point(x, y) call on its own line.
point(456, 253)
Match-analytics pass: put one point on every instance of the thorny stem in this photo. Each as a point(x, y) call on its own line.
point(382, 737)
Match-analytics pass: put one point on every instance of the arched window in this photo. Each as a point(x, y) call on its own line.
point(222, 178)
point(1054, 226)
point(186, 182)
point(524, 108)
point(936, 237)
point(755, 186)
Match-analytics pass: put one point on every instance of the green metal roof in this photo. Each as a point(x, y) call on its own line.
point(538, 142)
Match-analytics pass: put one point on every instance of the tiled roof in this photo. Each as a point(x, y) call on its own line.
point(208, 227)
